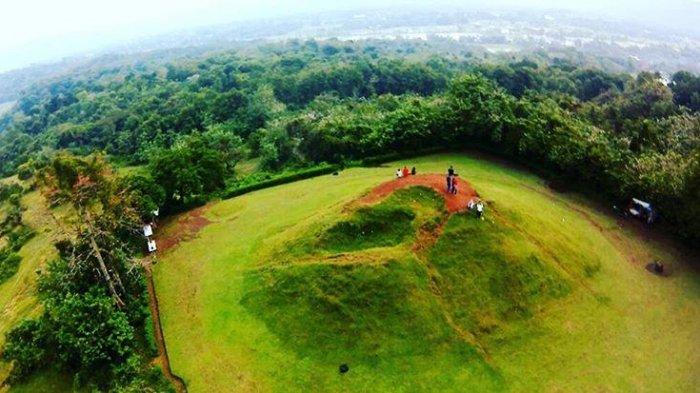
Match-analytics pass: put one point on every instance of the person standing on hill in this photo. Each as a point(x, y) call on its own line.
point(453, 191)
point(448, 178)
point(450, 171)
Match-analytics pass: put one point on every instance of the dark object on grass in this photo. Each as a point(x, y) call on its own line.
point(658, 268)
point(335, 173)
point(343, 368)
point(413, 171)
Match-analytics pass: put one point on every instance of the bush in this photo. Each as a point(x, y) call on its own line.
point(9, 264)
point(27, 347)
point(25, 171)
point(237, 189)
point(150, 335)
point(20, 236)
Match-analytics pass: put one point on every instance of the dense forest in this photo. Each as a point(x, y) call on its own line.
point(299, 105)
point(303, 103)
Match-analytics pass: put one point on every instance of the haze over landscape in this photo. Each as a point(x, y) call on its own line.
point(386, 195)
point(38, 31)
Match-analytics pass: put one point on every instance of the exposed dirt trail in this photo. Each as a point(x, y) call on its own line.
point(187, 227)
point(453, 203)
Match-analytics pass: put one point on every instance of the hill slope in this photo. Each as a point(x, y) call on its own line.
point(546, 294)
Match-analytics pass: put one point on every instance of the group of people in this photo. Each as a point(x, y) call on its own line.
point(451, 181)
point(475, 204)
point(405, 172)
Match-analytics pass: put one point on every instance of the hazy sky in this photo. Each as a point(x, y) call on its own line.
point(41, 30)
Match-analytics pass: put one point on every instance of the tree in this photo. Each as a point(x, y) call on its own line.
point(106, 214)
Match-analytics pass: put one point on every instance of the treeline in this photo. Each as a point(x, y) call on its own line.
point(305, 103)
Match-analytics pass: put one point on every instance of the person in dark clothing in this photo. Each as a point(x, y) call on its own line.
point(450, 171)
point(413, 171)
point(454, 185)
point(449, 183)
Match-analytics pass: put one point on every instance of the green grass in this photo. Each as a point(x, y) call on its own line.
point(489, 275)
point(18, 292)
point(546, 294)
point(386, 224)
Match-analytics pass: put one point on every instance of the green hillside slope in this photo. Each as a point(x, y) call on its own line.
point(274, 290)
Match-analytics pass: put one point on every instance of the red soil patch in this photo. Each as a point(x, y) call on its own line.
point(186, 227)
point(453, 203)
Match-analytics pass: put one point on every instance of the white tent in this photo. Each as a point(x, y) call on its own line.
point(152, 246)
point(147, 230)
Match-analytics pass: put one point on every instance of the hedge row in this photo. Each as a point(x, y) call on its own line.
point(282, 179)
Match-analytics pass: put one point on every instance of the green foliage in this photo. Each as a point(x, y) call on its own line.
point(303, 104)
point(194, 167)
point(20, 236)
point(148, 194)
point(93, 296)
point(7, 190)
point(90, 332)
point(686, 89)
point(262, 180)
point(9, 264)
point(27, 345)
point(150, 336)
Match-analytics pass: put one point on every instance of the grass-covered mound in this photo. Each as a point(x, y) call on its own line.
point(351, 312)
point(388, 223)
point(511, 303)
point(478, 275)
point(369, 227)
point(489, 274)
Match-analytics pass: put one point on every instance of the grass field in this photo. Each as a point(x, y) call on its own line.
point(547, 294)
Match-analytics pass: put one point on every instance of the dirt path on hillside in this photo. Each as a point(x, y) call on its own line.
point(453, 203)
point(162, 360)
point(426, 238)
point(185, 228)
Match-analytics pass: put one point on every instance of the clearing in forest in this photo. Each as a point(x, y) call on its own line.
point(389, 281)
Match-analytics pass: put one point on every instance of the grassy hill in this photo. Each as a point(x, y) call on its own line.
point(276, 289)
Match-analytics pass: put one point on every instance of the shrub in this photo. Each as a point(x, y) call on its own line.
point(150, 335)
point(27, 347)
point(302, 174)
point(9, 264)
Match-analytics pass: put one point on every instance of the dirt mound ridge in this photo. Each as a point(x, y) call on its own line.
point(453, 203)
